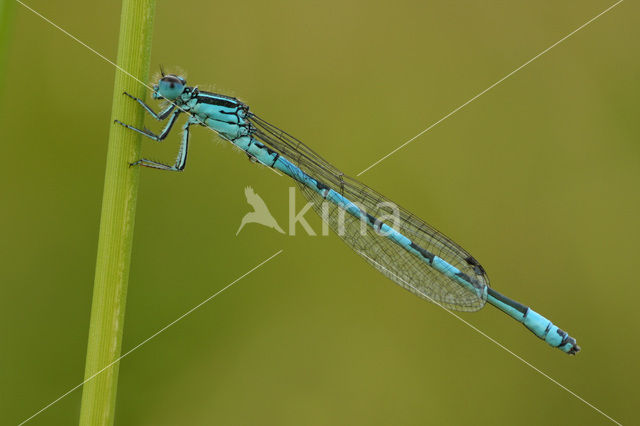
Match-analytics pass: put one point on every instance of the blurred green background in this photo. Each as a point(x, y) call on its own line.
point(538, 179)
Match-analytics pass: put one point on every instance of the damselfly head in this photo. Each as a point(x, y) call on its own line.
point(169, 87)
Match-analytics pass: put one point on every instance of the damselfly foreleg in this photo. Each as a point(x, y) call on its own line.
point(162, 115)
point(181, 160)
point(148, 133)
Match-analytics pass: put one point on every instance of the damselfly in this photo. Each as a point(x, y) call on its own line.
point(411, 253)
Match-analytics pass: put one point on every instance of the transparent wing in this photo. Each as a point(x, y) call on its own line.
point(401, 266)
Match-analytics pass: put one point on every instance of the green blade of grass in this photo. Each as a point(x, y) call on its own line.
point(117, 217)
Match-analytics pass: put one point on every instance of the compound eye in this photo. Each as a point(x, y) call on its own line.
point(173, 80)
point(171, 86)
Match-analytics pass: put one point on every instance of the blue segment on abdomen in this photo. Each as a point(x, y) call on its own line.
point(543, 328)
point(536, 323)
point(291, 170)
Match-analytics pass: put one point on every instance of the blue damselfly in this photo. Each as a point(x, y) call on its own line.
point(411, 253)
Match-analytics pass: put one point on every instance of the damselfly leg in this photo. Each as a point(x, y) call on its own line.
point(157, 115)
point(181, 159)
point(148, 133)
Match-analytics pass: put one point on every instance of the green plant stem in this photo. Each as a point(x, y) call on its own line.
point(117, 218)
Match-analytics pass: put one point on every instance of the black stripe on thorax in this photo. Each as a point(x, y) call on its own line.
point(212, 99)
